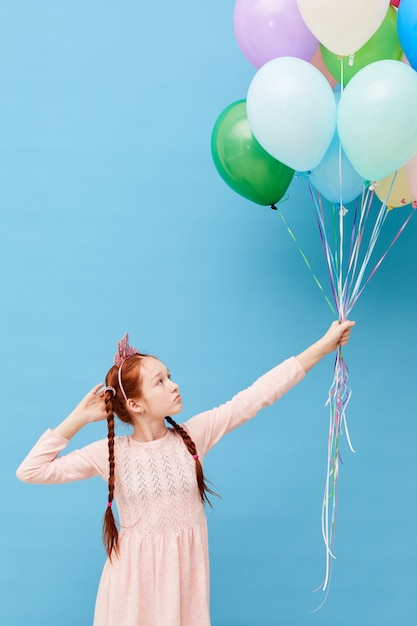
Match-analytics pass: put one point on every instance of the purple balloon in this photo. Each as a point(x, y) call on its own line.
point(267, 29)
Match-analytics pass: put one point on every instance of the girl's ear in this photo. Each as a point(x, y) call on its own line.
point(134, 406)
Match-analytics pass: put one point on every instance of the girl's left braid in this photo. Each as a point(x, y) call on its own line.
point(201, 480)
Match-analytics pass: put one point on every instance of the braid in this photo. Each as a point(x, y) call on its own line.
point(110, 532)
point(201, 480)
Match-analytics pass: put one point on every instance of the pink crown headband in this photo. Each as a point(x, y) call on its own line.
point(124, 351)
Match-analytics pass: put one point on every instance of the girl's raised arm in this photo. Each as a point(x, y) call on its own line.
point(92, 408)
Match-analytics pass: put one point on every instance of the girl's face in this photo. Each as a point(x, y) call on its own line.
point(160, 395)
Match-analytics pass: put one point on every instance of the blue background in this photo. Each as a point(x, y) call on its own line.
point(113, 220)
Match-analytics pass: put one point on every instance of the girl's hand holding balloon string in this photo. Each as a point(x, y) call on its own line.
point(338, 332)
point(337, 335)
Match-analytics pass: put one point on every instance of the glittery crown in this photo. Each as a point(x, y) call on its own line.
point(124, 351)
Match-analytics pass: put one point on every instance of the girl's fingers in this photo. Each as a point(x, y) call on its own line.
point(96, 388)
point(345, 337)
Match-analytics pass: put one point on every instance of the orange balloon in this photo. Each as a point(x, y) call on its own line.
point(318, 62)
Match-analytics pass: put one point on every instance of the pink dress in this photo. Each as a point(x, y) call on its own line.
point(161, 576)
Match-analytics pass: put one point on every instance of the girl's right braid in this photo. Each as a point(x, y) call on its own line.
point(201, 481)
point(110, 532)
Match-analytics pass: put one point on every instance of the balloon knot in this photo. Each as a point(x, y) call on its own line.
point(274, 207)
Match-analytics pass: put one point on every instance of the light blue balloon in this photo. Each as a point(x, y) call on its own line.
point(407, 29)
point(376, 119)
point(335, 177)
point(327, 180)
point(292, 112)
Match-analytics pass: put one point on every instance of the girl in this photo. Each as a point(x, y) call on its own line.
point(156, 573)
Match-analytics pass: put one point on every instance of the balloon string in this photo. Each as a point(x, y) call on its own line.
point(380, 219)
point(338, 398)
point(359, 288)
point(357, 238)
point(346, 289)
point(346, 292)
point(353, 239)
point(329, 257)
point(340, 278)
point(353, 302)
point(354, 294)
point(339, 395)
point(341, 214)
point(306, 261)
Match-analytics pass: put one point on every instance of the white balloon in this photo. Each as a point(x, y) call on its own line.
point(291, 110)
point(343, 26)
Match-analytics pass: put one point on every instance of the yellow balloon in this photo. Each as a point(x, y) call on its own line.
point(411, 169)
point(395, 194)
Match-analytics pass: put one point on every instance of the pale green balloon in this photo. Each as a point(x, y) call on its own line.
point(377, 121)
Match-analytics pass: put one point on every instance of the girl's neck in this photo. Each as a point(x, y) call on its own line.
point(144, 431)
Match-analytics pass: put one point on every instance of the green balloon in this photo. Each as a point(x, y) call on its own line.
point(383, 45)
point(242, 162)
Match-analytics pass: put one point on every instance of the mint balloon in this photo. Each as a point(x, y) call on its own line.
point(241, 161)
point(376, 119)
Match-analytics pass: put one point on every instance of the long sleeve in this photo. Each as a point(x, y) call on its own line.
point(207, 428)
point(43, 465)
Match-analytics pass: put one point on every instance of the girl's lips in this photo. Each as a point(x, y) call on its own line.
point(178, 398)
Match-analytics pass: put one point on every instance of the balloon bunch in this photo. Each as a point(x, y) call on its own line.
point(333, 98)
point(309, 53)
